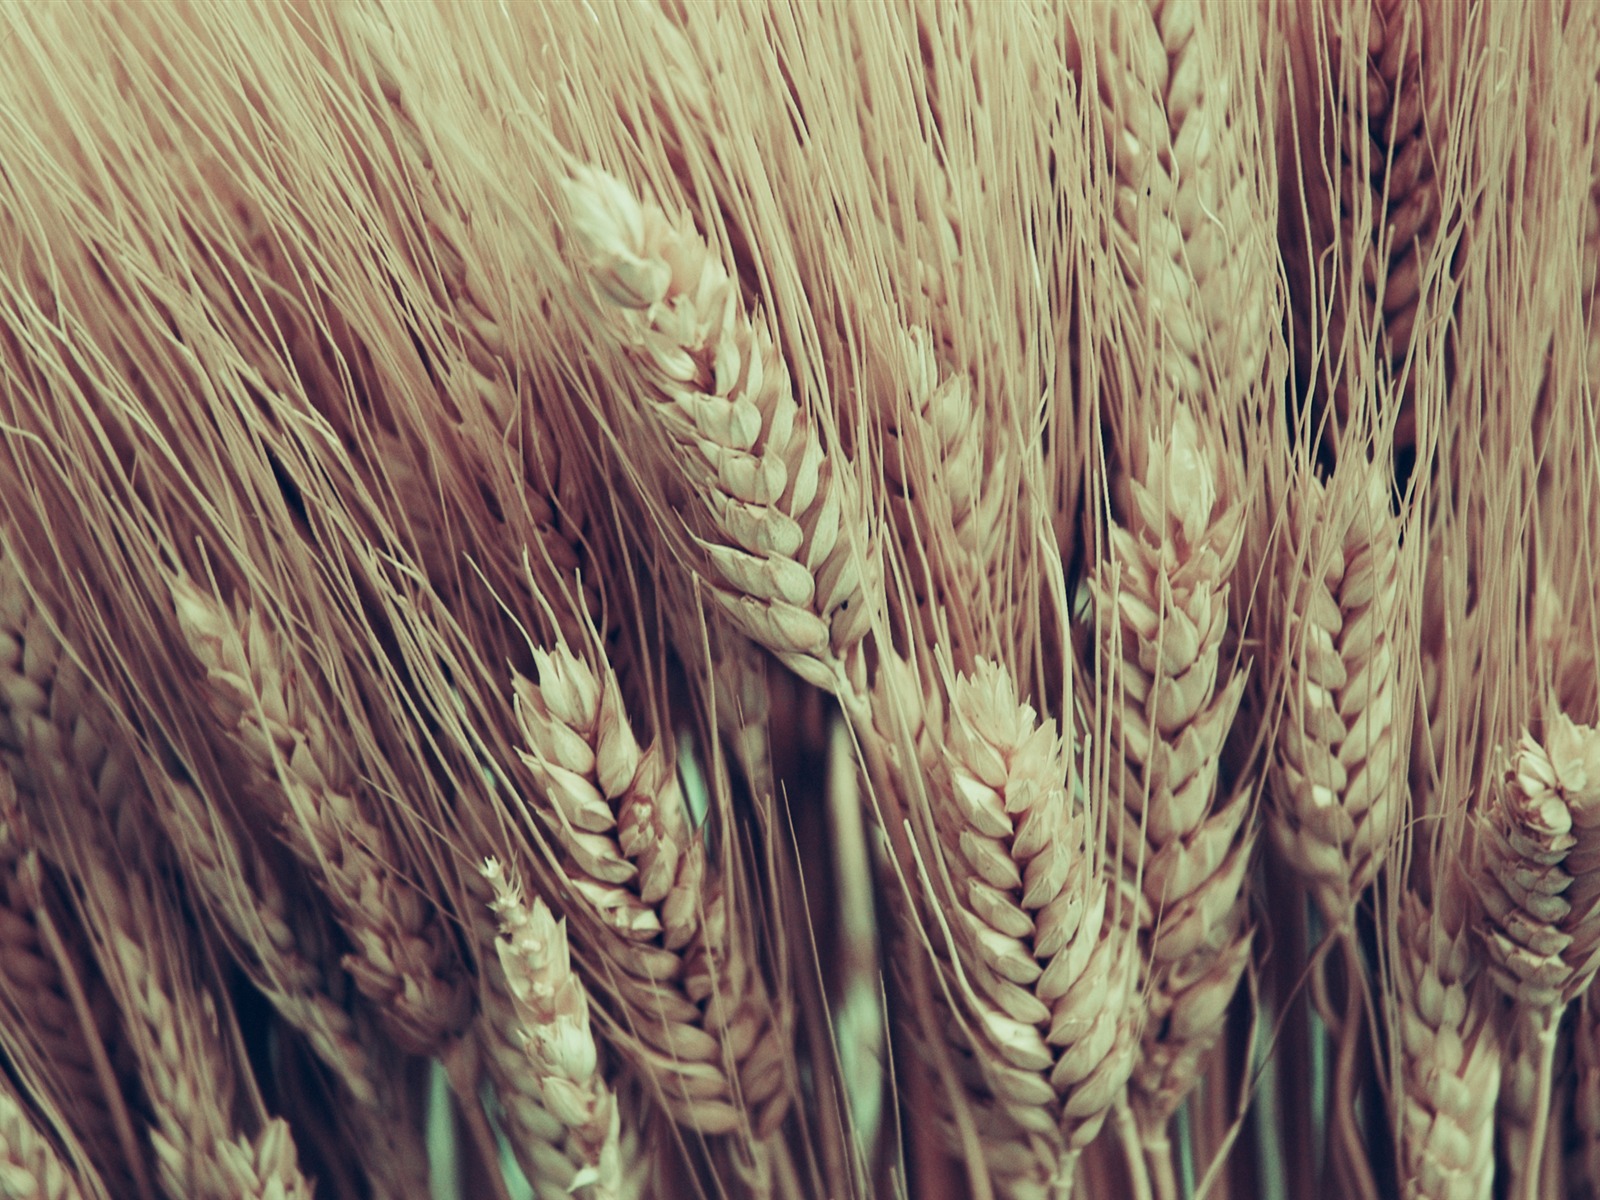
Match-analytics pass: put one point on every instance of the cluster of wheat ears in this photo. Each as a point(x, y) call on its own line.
point(927, 599)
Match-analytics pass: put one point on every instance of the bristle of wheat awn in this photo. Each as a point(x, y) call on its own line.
point(1450, 1063)
point(404, 960)
point(689, 996)
point(1165, 595)
point(550, 1018)
point(777, 510)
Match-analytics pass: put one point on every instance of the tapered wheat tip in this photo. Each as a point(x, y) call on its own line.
point(692, 1001)
point(1338, 798)
point(1450, 1057)
point(1539, 880)
point(778, 514)
point(552, 1023)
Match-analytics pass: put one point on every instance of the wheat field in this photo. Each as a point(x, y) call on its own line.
point(940, 599)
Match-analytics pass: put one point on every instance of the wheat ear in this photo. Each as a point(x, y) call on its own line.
point(1337, 791)
point(1449, 1053)
point(1377, 70)
point(1537, 874)
point(30, 1166)
point(271, 942)
point(1163, 594)
point(572, 1118)
point(777, 514)
point(404, 958)
point(1189, 231)
point(691, 1004)
point(937, 453)
point(1042, 976)
point(46, 1002)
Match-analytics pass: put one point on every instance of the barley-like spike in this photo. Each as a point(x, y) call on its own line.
point(778, 511)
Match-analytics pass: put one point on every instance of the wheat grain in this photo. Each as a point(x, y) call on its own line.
point(777, 514)
point(690, 1000)
point(404, 960)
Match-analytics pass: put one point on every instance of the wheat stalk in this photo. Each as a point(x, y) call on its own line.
point(776, 514)
point(690, 1000)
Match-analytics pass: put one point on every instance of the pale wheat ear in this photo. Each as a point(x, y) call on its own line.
point(575, 1127)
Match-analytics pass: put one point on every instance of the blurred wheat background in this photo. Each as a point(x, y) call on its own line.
point(934, 600)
